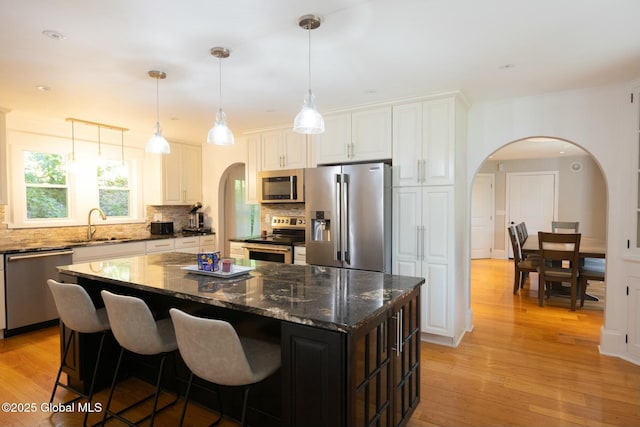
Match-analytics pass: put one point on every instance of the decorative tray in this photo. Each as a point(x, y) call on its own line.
point(236, 270)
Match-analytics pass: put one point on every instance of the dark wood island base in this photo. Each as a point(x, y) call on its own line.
point(350, 340)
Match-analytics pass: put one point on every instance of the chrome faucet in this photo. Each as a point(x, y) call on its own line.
point(91, 230)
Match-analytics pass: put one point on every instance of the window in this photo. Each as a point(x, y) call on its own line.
point(47, 193)
point(45, 178)
point(113, 188)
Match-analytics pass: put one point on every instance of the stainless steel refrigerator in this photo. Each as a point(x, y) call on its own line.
point(348, 213)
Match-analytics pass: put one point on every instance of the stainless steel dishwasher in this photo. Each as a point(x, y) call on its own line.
point(27, 297)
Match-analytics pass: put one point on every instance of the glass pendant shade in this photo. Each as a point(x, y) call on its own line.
point(220, 134)
point(157, 143)
point(309, 120)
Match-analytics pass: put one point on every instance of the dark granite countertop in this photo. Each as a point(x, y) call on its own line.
point(9, 248)
point(324, 297)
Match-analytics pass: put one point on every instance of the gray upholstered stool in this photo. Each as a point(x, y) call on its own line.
point(137, 331)
point(212, 350)
point(77, 312)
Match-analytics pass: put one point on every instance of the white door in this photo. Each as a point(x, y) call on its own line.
point(532, 198)
point(482, 207)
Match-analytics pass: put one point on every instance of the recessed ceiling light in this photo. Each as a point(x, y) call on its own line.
point(370, 91)
point(53, 34)
point(506, 66)
point(43, 88)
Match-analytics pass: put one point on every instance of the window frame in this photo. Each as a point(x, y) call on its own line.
point(83, 184)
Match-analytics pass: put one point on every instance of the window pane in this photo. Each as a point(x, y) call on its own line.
point(44, 168)
point(114, 202)
point(46, 202)
point(113, 174)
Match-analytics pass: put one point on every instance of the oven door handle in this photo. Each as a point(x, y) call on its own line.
point(269, 249)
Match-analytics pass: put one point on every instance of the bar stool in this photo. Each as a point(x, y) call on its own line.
point(212, 350)
point(77, 312)
point(137, 331)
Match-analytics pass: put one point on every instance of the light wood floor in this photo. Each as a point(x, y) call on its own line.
point(523, 365)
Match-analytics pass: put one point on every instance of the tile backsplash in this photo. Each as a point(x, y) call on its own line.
point(178, 214)
point(269, 210)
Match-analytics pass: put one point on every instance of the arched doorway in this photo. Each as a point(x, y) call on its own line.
point(581, 187)
point(239, 219)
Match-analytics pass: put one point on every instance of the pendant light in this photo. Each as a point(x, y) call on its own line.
point(72, 165)
point(122, 146)
point(220, 134)
point(309, 120)
point(157, 143)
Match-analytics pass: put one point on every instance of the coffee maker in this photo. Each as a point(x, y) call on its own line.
point(196, 221)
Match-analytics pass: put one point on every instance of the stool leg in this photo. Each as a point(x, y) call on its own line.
point(95, 374)
point(113, 385)
point(64, 357)
point(155, 398)
point(186, 399)
point(243, 423)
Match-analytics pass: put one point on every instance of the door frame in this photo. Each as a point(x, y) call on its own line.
point(556, 183)
point(493, 210)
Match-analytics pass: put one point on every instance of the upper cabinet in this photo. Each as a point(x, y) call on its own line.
point(182, 175)
point(355, 136)
point(424, 138)
point(3, 157)
point(283, 149)
point(254, 160)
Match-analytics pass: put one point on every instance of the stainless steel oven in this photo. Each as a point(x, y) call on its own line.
point(281, 186)
point(269, 252)
point(277, 246)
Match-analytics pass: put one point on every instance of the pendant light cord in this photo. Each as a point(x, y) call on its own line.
point(220, 80)
point(309, 31)
point(157, 104)
point(99, 146)
point(73, 142)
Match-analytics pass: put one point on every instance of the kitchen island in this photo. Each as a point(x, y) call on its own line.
point(350, 339)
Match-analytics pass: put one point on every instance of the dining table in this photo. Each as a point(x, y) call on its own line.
point(590, 247)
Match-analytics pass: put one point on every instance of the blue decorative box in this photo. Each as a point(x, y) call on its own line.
point(209, 261)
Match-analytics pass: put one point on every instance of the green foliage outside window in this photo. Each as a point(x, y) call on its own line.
point(113, 189)
point(46, 185)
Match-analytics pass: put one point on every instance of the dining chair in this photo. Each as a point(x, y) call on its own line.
point(522, 267)
point(213, 351)
point(590, 269)
point(565, 226)
point(559, 263)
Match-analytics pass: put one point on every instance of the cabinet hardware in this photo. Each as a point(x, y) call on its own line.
point(42, 255)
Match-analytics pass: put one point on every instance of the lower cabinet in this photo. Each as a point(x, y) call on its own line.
point(381, 383)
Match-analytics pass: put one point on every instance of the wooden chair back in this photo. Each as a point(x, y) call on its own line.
point(559, 262)
point(565, 226)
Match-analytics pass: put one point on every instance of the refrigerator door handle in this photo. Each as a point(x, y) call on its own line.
point(337, 253)
point(346, 215)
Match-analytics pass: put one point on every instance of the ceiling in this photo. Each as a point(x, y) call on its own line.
point(364, 52)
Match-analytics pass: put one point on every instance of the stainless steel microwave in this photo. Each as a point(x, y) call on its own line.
point(281, 186)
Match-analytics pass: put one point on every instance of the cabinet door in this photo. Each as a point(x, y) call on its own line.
point(407, 144)
point(3, 158)
point(332, 146)
point(191, 173)
point(252, 168)
point(437, 235)
point(294, 150)
point(438, 128)
point(406, 231)
point(371, 134)
point(406, 358)
point(272, 155)
point(633, 345)
point(171, 170)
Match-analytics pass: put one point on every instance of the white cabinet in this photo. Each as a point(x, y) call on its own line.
point(355, 136)
point(252, 167)
point(236, 249)
point(300, 255)
point(283, 149)
point(182, 175)
point(160, 245)
point(424, 139)
point(190, 245)
point(3, 157)
point(107, 251)
point(423, 239)
point(633, 334)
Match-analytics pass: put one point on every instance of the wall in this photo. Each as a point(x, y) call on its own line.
point(582, 195)
point(601, 121)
